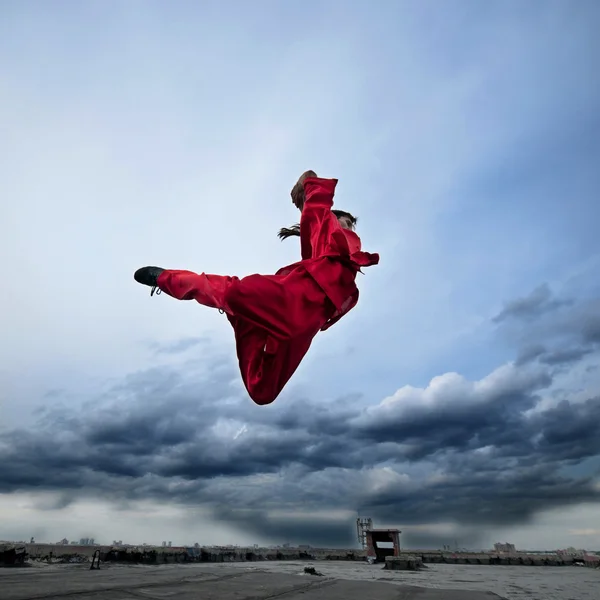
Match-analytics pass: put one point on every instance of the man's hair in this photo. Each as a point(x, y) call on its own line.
point(294, 230)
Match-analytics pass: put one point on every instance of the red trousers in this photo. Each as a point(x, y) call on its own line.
point(274, 317)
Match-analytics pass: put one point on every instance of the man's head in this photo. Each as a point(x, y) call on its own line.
point(345, 219)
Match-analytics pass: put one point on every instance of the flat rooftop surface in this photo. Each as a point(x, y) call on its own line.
point(208, 582)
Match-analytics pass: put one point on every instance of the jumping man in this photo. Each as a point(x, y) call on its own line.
point(276, 317)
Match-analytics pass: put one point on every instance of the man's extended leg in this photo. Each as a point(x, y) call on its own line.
point(285, 306)
point(208, 290)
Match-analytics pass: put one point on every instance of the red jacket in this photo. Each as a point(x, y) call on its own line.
point(331, 254)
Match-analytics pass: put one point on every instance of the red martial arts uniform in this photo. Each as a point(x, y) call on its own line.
point(276, 317)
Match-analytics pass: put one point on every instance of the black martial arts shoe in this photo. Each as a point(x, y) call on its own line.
point(148, 276)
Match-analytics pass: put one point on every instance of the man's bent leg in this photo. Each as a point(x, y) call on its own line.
point(266, 364)
point(285, 306)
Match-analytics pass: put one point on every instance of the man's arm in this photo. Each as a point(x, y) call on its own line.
point(318, 193)
point(317, 221)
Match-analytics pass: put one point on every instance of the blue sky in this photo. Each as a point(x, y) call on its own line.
point(465, 136)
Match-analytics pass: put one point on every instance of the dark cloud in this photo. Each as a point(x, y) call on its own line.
point(588, 321)
point(462, 451)
point(567, 356)
point(538, 302)
point(305, 529)
point(530, 353)
point(179, 346)
point(557, 338)
point(564, 356)
point(480, 454)
point(467, 421)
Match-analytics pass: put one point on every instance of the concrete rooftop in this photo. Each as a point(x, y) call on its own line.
point(176, 582)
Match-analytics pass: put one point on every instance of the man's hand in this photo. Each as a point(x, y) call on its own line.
point(297, 192)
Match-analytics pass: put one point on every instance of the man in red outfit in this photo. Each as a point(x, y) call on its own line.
point(276, 317)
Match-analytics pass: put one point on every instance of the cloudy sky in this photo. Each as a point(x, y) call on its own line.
point(460, 400)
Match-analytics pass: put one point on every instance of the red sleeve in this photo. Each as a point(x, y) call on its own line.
point(317, 223)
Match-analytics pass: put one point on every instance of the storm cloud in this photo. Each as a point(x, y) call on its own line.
point(484, 452)
point(538, 302)
point(552, 331)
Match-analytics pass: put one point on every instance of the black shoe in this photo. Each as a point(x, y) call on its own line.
point(148, 276)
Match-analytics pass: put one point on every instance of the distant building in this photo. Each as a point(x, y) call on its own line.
point(362, 526)
point(170, 544)
point(164, 544)
point(505, 548)
point(572, 552)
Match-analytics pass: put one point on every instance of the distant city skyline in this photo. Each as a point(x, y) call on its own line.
point(500, 547)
